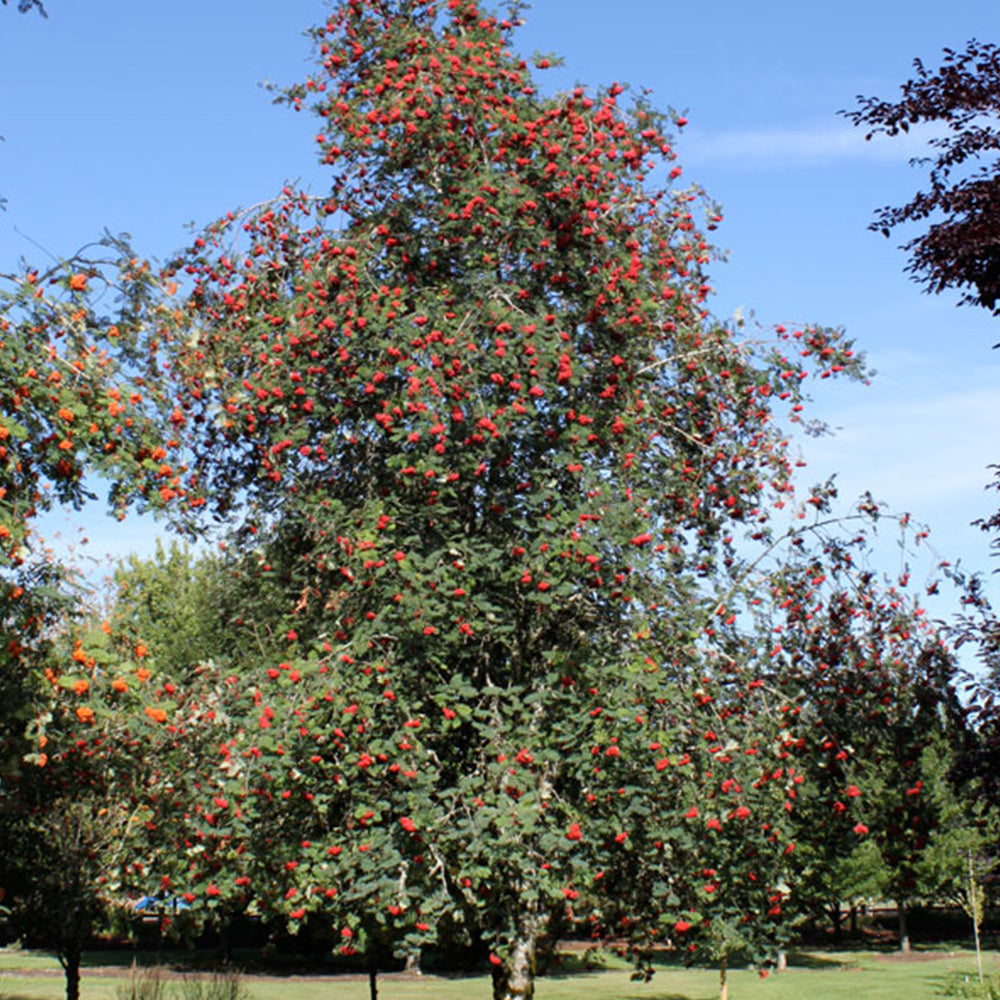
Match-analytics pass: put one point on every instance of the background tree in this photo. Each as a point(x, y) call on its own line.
point(961, 249)
point(73, 813)
point(71, 405)
point(24, 6)
point(877, 683)
point(187, 608)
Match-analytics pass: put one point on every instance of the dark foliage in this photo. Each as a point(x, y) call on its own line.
point(24, 6)
point(960, 248)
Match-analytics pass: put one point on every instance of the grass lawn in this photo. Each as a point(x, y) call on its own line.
point(816, 975)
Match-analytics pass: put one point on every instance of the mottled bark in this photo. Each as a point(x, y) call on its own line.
point(514, 978)
point(904, 928)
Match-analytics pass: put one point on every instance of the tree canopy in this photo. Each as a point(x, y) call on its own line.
point(960, 247)
point(522, 624)
point(24, 6)
point(471, 415)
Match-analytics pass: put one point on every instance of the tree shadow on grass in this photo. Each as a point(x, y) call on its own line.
point(669, 996)
point(629, 994)
point(124, 958)
point(814, 960)
point(572, 964)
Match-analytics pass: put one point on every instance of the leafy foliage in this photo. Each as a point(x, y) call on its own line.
point(23, 6)
point(72, 810)
point(507, 633)
point(70, 406)
point(184, 606)
point(471, 417)
point(959, 248)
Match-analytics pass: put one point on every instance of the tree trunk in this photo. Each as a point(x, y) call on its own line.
point(904, 929)
point(723, 978)
point(782, 964)
point(373, 982)
point(69, 959)
point(412, 967)
point(854, 920)
point(514, 978)
point(226, 944)
point(975, 911)
point(837, 919)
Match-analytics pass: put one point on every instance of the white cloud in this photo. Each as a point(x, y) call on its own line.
point(922, 449)
point(806, 146)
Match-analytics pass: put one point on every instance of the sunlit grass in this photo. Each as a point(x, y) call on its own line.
point(816, 975)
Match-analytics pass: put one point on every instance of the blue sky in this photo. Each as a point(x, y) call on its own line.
point(144, 117)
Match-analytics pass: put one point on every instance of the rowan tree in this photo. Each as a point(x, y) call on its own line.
point(72, 404)
point(70, 408)
point(73, 813)
point(495, 485)
point(485, 459)
point(878, 684)
point(470, 415)
point(486, 462)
